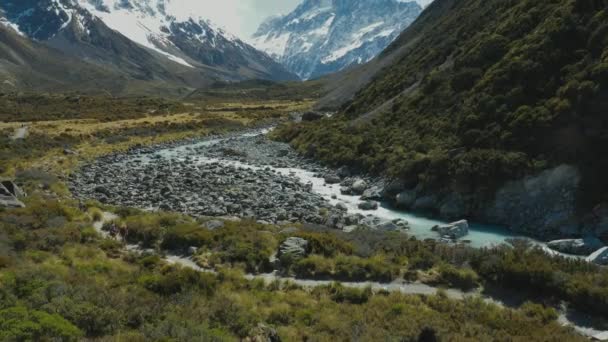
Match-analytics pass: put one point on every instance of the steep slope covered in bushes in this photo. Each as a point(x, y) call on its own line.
point(489, 91)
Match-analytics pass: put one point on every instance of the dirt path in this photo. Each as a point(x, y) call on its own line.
point(580, 324)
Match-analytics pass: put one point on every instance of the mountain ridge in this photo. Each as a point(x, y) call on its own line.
point(151, 45)
point(324, 36)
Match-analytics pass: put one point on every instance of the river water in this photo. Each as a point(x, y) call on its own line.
point(480, 235)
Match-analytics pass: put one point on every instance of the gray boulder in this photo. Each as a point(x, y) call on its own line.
point(600, 257)
point(214, 224)
point(359, 186)
point(9, 188)
point(10, 202)
point(454, 230)
point(341, 206)
point(372, 194)
point(294, 247)
point(332, 179)
point(368, 205)
point(584, 246)
point(9, 192)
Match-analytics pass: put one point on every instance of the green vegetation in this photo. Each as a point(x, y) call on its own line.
point(59, 281)
point(62, 280)
point(46, 107)
point(259, 90)
point(486, 91)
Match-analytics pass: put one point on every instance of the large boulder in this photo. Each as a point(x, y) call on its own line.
point(543, 205)
point(372, 194)
point(584, 246)
point(359, 186)
point(332, 179)
point(368, 205)
point(10, 202)
point(9, 188)
point(9, 192)
point(214, 224)
point(600, 257)
point(294, 247)
point(454, 230)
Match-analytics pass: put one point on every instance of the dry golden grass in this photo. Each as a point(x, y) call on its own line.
point(92, 146)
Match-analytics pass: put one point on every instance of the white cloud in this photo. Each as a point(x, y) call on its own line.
point(240, 17)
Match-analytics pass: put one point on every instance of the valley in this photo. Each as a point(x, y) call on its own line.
point(384, 170)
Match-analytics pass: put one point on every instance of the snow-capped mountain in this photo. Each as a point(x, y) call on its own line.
point(324, 36)
point(144, 39)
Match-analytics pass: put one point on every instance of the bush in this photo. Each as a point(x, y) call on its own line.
point(19, 323)
point(464, 279)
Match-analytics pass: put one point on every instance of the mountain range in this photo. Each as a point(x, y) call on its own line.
point(324, 36)
point(131, 42)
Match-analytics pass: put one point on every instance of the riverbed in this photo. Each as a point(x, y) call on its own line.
point(245, 175)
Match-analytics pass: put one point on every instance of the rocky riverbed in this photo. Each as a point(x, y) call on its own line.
point(246, 175)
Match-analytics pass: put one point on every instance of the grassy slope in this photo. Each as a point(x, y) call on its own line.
point(487, 91)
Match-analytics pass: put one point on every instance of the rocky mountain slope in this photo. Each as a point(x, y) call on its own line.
point(325, 36)
point(493, 110)
point(140, 40)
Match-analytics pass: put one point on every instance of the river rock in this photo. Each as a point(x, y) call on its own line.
point(584, 246)
point(600, 257)
point(341, 206)
point(454, 230)
point(368, 205)
point(359, 186)
point(372, 194)
point(332, 179)
point(294, 247)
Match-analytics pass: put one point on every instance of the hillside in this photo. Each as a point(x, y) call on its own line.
point(478, 93)
point(139, 46)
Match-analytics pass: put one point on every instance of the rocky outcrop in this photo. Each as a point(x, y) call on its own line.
point(600, 257)
point(543, 205)
point(9, 193)
point(454, 230)
point(584, 246)
point(263, 333)
point(294, 248)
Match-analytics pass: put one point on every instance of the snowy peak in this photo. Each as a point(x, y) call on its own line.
point(100, 31)
point(324, 36)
